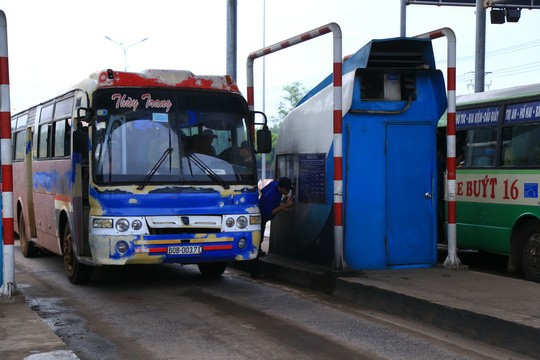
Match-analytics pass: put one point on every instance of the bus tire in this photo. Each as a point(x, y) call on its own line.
point(28, 248)
point(76, 272)
point(530, 251)
point(212, 270)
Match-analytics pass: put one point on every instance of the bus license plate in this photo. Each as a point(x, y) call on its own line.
point(184, 250)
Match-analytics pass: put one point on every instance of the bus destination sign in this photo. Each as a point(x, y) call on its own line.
point(523, 112)
point(475, 117)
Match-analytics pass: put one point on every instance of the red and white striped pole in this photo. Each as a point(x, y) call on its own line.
point(339, 261)
point(8, 285)
point(452, 260)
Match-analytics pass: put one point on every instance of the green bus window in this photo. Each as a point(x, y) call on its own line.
point(480, 149)
point(521, 145)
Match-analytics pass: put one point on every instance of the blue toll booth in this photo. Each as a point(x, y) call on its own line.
point(393, 97)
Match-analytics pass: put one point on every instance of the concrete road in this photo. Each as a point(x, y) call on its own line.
point(171, 312)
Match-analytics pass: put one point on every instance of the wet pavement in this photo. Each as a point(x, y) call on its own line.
point(497, 310)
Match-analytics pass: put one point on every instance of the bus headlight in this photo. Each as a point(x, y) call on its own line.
point(133, 225)
point(229, 222)
point(122, 247)
point(102, 223)
point(122, 225)
point(242, 243)
point(136, 225)
point(241, 222)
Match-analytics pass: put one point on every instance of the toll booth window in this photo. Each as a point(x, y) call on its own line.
point(288, 165)
point(521, 145)
point(388, 86)
point(480, 147)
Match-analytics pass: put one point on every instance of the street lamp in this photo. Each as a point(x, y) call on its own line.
point(125, 48)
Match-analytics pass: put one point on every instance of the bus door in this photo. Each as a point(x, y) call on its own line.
point(411, 207)
point(79, 193)
point(30, 216)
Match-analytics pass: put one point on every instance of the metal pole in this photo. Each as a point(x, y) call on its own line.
point(337, 144)
point(403, 22)
point(125, 59)
point(452, 260)
point(480, 53)
point(263, 157)
point(6, 152)
point(231, 37)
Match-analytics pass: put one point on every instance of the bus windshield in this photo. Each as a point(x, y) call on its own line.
point(144, 137)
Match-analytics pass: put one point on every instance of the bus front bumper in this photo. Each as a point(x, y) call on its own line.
point(175, 248)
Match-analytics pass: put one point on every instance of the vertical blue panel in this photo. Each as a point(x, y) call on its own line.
point(411, 196)
point(364, 193)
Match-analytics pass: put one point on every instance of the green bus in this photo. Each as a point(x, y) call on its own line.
point(498, 175)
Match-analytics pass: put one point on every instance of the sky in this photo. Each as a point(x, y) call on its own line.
point(57, 43)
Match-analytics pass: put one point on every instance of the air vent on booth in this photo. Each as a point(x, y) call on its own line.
point(396, 60)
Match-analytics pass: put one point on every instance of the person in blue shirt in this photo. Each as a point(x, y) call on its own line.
point(271, 202)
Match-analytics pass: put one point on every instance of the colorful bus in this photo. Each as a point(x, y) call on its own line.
point(139, 168)
point(498, 175)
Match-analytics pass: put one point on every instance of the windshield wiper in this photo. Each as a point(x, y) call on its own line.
point(156, 166)
point(207, 170)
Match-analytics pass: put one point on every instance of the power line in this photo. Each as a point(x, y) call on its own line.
point(506, 50)
point(501, 51)
point(516, 70)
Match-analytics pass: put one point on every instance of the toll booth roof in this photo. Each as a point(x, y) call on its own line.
point(391, 54)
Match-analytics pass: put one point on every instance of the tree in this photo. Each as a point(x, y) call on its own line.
point(294, 92)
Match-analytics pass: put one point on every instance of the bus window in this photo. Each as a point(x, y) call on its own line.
point(46, 113)
point(461, 144)
point(521, 145)
point(43, 141)
point(480, 149)
point(61, 139)
point(20, 144)
point(63, 108)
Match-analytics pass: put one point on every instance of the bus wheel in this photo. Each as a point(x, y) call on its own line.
point(76, 272)
point(212, 270)
point(28, 249)
point(530, 251)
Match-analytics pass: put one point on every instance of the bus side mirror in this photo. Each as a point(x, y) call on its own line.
point(84, 114)
point(264, 136)
point(264, 140)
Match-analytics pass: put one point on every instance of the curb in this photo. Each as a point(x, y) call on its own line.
point(15, 299)
point(504, 334)
point(498, 332)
